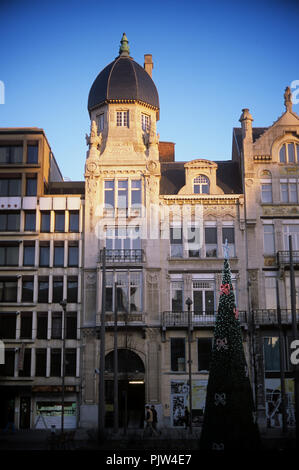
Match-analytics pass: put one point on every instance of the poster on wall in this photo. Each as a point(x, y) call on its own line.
point(179, 393)
point(49, 414)
point(273, 403)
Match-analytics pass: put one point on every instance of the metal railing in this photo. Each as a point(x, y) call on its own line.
point(125, 317)
point(123, 256)
point(198, 318)
point(269, 316)
point(283, 257)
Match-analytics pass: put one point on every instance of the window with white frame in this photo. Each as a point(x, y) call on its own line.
point(128, 295)
point(288, 290)
point(228, 233)
point(145, 122)
point(289, 152)
point(203, 292)
point(176, 242)
point(122, 194)
point(270, 292)
point(269, 242)
point(201, 185)
point(122, 118)
point(266, 190)
point(288, 190)
point(293, 230)
point(194, 241)
point(123, 238)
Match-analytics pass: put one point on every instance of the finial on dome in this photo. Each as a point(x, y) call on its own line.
point(124, 48)
point(288, 99)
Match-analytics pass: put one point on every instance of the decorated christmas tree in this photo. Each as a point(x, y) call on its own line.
point(228, 418)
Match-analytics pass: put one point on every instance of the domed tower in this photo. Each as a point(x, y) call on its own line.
point(123, 102)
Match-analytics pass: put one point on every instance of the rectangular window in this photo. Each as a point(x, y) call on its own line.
point(45, 221)
point(293, 230)
point(59, 221)
point(11, 154)
point(178, 359)
point(9, 255)
point(122, 198)
point(293, 192)
point(26, 325)
point(42, 325)
point(74, 221)
point(70, 362)
point(203, 297)
point(7, 326)
point(55, 369)
point(129, 298)
point(100, 122)
point(56, 325)
point(28, 255)
point(31, 186)
point(269, 244)
point(27, 289)
point(57, 289)
point(211, 242)
point(72, 289)
point(58, 255)
point(26, 370)
point(145, 122)
point(193, 242)
point(271, 354)
point(177, 296)
point(43, 290)
point(9, 221)
point(136, 194)
point(8, 290)
point(73, 255)
point(30, 221)
point(266, 194)
point(41, 362)
point(44, 254)
point(32, 154)
point(291, 153)
point(10, 187)
point(71, 325)
point(122, 118)
point(228, 233)
point(8, 368)
point(176, 242)
point(204, 348)
point(109, 194)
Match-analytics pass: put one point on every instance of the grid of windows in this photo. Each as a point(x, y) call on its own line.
point(289, 191)
point(122, 118)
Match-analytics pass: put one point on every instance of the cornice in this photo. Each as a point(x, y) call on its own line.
point(204, 199)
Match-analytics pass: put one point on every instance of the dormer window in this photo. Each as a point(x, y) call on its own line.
point(201, 185)
point(289, 153)
point(145, 122)
point(122, 118)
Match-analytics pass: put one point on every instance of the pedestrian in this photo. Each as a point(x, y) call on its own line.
point(10, 420)
point(155, 419)
point(187, 417)
point(149, 420)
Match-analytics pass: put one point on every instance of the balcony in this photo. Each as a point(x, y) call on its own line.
point(198, 319)
point(283, 258)
point(269, 317)
point(123, 256)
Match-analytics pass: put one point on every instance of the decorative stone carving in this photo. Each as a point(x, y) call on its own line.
point(152, 166)
point(94, 141)
point(288, 99)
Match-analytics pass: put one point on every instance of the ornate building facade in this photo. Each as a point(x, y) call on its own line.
point(155, 228)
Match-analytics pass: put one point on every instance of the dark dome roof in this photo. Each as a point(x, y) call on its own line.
point(123, 79)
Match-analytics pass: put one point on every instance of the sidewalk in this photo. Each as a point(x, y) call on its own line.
point(134, 440)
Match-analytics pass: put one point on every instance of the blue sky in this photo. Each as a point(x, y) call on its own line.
point(211, 59)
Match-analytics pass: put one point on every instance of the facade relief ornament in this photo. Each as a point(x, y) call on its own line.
point(94, 140)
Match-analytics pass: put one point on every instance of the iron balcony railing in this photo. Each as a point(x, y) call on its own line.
point(269, 317)
point(123, 256)
point(283, 257)
point(198, 318)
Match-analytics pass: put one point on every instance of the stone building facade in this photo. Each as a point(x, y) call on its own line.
point(156, 229)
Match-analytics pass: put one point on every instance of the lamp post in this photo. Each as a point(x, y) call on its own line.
point(189, 303)
point(63, 304)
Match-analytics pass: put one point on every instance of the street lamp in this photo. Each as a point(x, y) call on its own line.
point(189, 303)
point(63, 304)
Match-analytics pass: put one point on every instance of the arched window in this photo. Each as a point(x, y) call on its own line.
point(128, 361)
point(289, 153)
point(201, 185)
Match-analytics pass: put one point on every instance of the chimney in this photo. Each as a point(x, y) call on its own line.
point(246, 123)
point(148, 64)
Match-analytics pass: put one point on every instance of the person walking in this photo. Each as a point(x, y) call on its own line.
point(155, 419)
point(149, 421)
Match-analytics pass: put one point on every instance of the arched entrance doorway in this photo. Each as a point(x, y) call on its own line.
point(131, 389)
